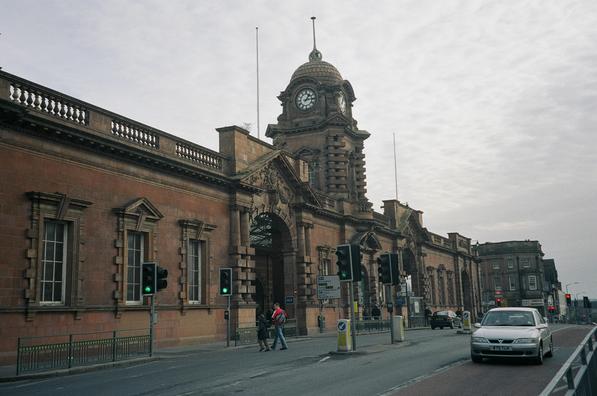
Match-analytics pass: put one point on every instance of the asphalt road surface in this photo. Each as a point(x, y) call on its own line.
point(428, 362)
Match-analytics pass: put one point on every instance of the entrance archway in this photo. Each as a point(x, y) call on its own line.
point(270, 238)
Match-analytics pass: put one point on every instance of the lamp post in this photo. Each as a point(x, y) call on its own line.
point(568, 284)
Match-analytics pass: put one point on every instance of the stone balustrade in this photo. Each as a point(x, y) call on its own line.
point(87, 117)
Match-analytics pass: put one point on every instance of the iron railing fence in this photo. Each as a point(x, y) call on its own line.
point(372, 325)
point(578, 376)
point(36, 354)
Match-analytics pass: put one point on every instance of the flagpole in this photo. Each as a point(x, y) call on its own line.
point(395, 167)
point(257, 58)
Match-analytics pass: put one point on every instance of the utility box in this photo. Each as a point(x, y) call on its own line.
point(398, 328)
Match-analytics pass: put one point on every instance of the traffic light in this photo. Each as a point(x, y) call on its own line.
point(498, 301)
point(568, 299)
point(344, 262)
point(225, 281)
point(585, 302)
point(384, 269)
point(395, 268)
point(148, 278)
point(162, 278)
point(355, 256)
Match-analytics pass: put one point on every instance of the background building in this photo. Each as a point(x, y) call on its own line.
point(513, 273)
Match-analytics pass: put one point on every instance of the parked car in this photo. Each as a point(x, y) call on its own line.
point(513, 333)
point(443, 319)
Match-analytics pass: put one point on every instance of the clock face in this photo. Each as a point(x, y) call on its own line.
point(305, 99)
point(341, 102)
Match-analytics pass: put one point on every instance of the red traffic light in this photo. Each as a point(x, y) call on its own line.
point(568, 296)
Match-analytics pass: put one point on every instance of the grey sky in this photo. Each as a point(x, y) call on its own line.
point(494, 104)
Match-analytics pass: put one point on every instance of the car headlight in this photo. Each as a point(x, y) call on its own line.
point(525, 341)
point(482, 340)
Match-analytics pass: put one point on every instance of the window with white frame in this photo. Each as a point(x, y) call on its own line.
point(194, 266)
point(512, 282)
point(135, 258)
point(532, 282)
point(497, 282)
point(496, 265)
point(525, 262)
point(510, 262)
point(54, 261)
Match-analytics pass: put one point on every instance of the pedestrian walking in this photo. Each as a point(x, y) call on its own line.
point(279, 318)
point(262, 325)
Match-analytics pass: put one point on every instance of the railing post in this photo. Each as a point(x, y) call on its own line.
point(70, 350)
point(569, 378)
point(18, 355)
point(114, 345)
point(583, 356)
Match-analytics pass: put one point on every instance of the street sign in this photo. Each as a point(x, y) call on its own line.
point(289, 300)
point(532, 302)
point(328, 286)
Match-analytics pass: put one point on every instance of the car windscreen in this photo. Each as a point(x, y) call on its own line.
point(508, 318)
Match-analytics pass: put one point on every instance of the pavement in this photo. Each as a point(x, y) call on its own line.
point(8, 372)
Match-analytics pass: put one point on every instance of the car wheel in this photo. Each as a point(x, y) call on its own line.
point(432, 327)
point(441, 327)
point(451, 325)
point(550, 353)
point(476, 359)
point(539, 358)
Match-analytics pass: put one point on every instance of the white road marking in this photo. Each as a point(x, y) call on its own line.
point(323, 359)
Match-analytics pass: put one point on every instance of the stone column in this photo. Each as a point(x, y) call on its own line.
point(244, 227)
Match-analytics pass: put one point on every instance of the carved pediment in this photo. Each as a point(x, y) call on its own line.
point(141, 207)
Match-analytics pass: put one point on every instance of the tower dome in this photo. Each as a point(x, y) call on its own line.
point(322, 71)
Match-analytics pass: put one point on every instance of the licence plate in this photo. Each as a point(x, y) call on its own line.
point(501, 348)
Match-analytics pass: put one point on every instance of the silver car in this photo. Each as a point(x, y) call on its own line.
point(513, 333)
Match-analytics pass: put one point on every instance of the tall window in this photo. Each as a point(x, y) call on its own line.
point(313, 174)
point(512, 282)
point(510, 262)
point(525, 262)
point(194, 271)
point(497, 282)
point(496, 265)
point(135, 259)
point(532, 282)
point(53, 278)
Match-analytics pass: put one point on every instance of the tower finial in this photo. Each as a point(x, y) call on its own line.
point(315, 55)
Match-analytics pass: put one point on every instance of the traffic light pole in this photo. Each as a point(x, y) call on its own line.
point(151, 324)
point(352, 318)
point(228, 325)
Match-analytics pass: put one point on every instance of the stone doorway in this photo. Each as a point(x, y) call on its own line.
point(270, 238)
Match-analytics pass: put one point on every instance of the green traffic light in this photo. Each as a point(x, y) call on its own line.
point(147, 289)
point(224, 290)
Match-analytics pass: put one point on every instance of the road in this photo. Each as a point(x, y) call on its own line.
point(429, 362)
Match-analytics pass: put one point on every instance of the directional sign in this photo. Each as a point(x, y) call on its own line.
point(328, 286)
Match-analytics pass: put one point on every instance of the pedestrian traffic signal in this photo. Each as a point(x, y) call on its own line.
point(344, 262)
point(162, 278)
point(568, 299)
point(225, 281)
point(148, 278)
point(384, 270)
point(498, 301)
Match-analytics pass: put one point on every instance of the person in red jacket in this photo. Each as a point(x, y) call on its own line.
point(279, 318)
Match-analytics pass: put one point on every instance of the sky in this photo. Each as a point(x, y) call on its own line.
point(493, 104)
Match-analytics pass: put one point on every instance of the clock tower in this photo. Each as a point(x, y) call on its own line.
point(317, 126)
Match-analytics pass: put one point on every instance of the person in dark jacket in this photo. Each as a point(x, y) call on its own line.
point(262, 325)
